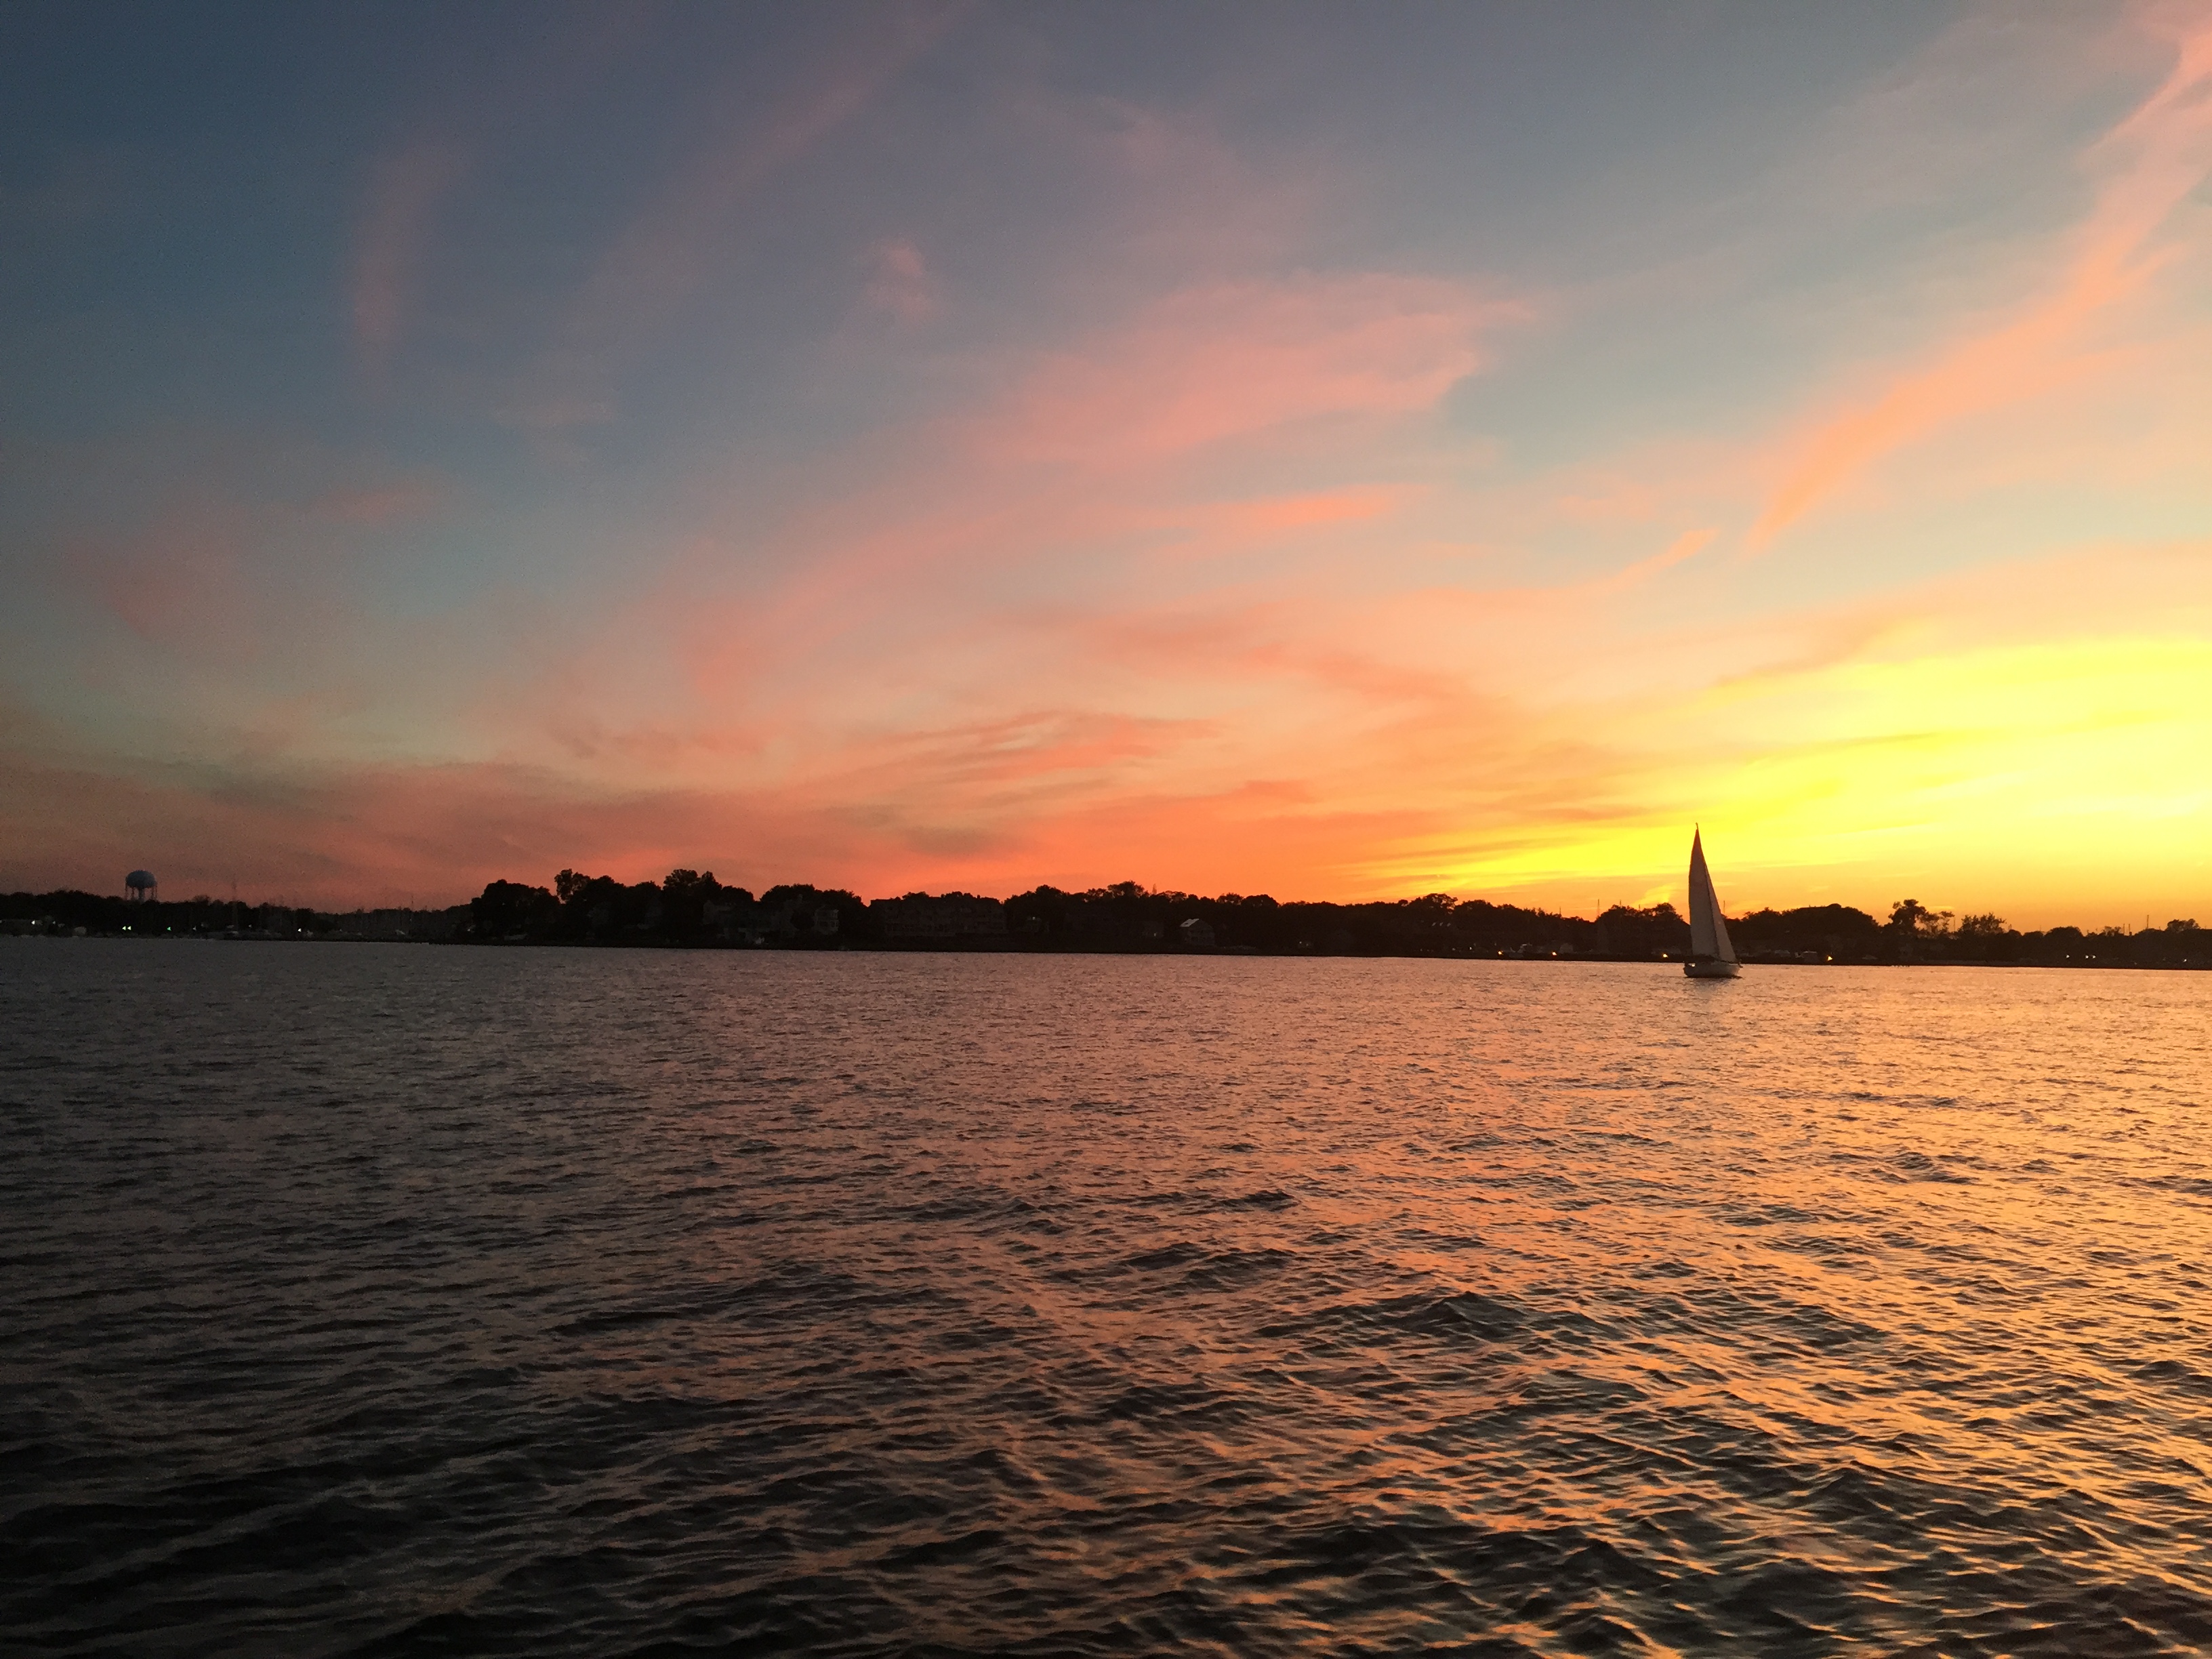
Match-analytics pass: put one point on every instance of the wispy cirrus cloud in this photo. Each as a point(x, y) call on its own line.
point(1215, 364)
point(900, 282)
point(1089, 461)
point(2148, 167)
point(672, 246)
point(415, 184)
point(406, 190)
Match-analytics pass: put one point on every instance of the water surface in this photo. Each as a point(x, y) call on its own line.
point(378, 1300)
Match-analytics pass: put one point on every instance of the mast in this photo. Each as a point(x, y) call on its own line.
point(1702, 907)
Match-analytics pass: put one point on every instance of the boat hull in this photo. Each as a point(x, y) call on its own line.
point(1710, 968)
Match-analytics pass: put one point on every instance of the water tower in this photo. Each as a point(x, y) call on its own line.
point(142, 884)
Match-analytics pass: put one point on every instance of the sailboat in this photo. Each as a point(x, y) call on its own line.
point(1711, 956)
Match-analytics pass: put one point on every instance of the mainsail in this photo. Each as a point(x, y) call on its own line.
point(1708, 927)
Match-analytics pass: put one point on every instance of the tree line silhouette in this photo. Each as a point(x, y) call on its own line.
point(692, 909)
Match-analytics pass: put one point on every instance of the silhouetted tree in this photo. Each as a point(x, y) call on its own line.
point(1656, 931)
point(683, 899)
point(798, 913)
point(508, 910)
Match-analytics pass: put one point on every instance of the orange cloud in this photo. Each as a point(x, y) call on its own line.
point(1688, 545)
point(2154, 160)
point(1967, 740)
point(1281, 515)
point(1089, 453)
point(1210, 365)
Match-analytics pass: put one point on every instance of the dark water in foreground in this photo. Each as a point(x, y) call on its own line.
point(377, 1300)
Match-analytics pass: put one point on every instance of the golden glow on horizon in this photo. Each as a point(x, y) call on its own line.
point(1985, 777)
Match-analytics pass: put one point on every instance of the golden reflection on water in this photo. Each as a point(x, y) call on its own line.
point(1544, 1246)
point(1116, 1305)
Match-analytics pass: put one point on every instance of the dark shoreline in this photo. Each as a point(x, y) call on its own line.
point(955, 947)
point(693, 911)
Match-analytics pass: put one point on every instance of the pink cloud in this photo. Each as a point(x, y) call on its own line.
point(1686, 546)
point(2152, 162)
point(1211, 365)
point(866, 573)
point(379, 505)
point(404, 194)
point(235, 586)
point(669, 249)
point(1272, 516)
point(182, 581)
point(1090, 444)
point(899, 281)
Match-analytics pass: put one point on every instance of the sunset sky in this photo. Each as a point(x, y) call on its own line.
point(1339, 453)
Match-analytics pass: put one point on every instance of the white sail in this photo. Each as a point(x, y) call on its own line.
point(1708, 927)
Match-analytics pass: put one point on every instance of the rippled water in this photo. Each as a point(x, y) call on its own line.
point(378, 1300)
